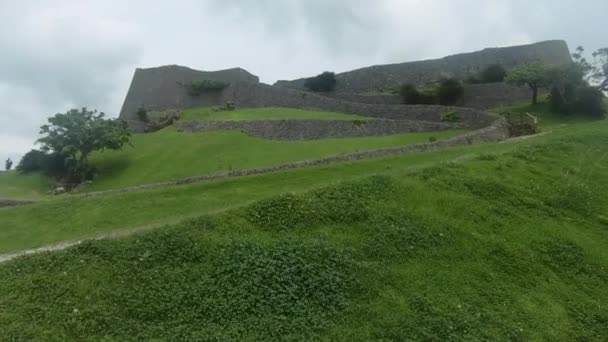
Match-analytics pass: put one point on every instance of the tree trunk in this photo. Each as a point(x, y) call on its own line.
point(534, 88)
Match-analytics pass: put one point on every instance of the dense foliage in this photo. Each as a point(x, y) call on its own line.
point(572, 87)
point(196, 88)
point(449, 91)
point(8, 164)
point(412, 96)
point(490, 74)
point(51, 164)
point(75, 134)
point(531, 74)
point(321, 83)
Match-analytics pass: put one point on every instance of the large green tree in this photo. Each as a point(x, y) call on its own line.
point(596, 71)
point(531, 74)
point(77, 133)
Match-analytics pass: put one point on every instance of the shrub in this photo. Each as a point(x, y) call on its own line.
point(323, 82)
point(229, 106)
point(450, 117)
point(33, 161)
point(412, 96)
point(577, 99)
point(590, 100)
point(432, 139)
point(142, 115)
point(450, 91)
point(8, 164)
point(493, 73)
point(196, 88)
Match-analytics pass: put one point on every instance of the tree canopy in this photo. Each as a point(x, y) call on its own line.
point(77, 133)
point(531, 74)
point(323, 82)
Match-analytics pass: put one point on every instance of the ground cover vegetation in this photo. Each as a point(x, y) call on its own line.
point(503, 245)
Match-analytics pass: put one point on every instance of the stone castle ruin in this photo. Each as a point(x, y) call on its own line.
point(163, 88)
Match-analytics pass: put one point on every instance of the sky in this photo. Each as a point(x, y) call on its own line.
point(62, 54)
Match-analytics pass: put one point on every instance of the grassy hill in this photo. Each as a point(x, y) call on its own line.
point(506, 243)
point(503, 241)
point(169, 155)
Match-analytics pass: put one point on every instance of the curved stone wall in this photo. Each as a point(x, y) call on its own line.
point(246, 95)
point(316, 129)
point(380, 77)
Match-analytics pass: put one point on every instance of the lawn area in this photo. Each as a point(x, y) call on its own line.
point(208, 114)
point(169, 155)
point(27, 187)
point(547, 119)
point(489, 242)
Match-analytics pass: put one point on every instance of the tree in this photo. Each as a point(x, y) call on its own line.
point(323, 82)
point(450, 91)
point(493, 73)
point(77, 133)
point(412, 96)
point(595, 72)
point(8, 164)
point(531, 74)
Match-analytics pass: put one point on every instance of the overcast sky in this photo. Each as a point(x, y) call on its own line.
point(56, 55)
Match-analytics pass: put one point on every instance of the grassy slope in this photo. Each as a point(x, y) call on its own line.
point(499, 247)
point(170, 155)
point(16, 186)
point(207, 114)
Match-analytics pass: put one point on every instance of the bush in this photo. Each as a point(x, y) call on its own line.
point(196, 88)
point(323, 82)
point(450, 91)
point(142, 115)
point(412, 96)
point(51, 164)
point(582, 99)
point(493, 73)
point(450, 117)
point(33, 161)
point(8, 164)
point(590, 100)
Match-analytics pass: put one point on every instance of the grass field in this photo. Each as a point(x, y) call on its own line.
point(18, 186)
point(208, 114)
point(169, 155)
point(505, 242)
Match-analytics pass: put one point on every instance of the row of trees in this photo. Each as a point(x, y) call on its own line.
point(67, 143)
point(579, 86)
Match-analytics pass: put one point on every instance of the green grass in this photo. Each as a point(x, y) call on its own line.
point(169, 155)
point(208, 114)
point(546, 117)
point(18, 186)
point(508, 243)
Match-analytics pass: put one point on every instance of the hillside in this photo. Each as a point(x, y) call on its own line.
point(501, 241)
point(150, 160)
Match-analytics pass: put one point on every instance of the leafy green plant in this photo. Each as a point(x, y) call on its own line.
point(449, 92)
point(450, 117)
point(196, 88)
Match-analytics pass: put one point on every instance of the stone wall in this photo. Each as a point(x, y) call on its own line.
point(380, 77)
point(316, 129)
point(248, 95)
point(491, 95)
point(157, 89)
point(497, 131)
point(480, 96)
